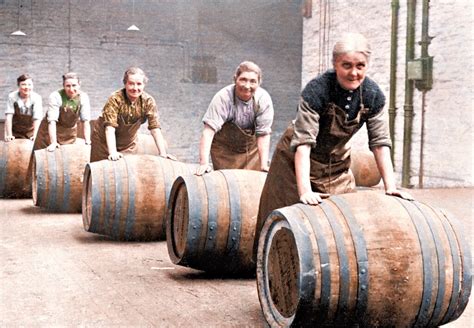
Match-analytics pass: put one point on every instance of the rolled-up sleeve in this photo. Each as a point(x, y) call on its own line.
point(37, 113)
point(110, 112)
point(215, 115)
point(378, 131)
point(85, 114)
point(306, 126)
point(264, 118)
point(54, 103)
point(11, 104)
point(151, 113)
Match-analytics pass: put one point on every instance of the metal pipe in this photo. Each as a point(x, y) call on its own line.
point(422, 141)
point(69, 43)
point(425, 38)
point(425, 42)
point(409, 90)
point(392, 109)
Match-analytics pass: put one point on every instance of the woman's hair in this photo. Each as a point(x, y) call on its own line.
point(22, 77)
point(71, 75)
point(351, 42)
point(248, 66)
point(134, 70)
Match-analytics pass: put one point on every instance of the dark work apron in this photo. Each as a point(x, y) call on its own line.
point(22, 124)
point(236, 148)
point(66, 128)
point(126, 138)
point(329, 164)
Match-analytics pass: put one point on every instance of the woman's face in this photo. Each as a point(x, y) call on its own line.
point(246, 84)
point(72, 87)
point(25, 88)
point(350, 69)
point(134, 86)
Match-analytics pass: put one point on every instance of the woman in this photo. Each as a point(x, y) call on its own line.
point(237, 124)
point(312, 158)
point(24, 111)
point(116, 130)
point(66, 107)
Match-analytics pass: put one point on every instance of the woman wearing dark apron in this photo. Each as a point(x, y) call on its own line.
point(66, 107)
point(116, 130)
point(312, 159)
point(237, 124)
point(24, 111)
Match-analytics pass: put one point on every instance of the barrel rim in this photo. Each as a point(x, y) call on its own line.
point(175, 257)
point(276, 219)
point(34, 176)
point(86, 197)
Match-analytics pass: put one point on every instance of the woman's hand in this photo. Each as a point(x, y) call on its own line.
point(313, 198)
point(398, 193)
point(52, 147)
point(115, 156)
point(203, 168)
point(9, 138)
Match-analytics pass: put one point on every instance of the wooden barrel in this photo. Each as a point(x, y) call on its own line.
point(211, 220)
point(366, 259)
point(127, 199)
point(15, 181)
point(364, 168)
point(146, 145)
point(57, 177)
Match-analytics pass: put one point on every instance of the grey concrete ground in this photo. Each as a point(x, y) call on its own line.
point(54, 274)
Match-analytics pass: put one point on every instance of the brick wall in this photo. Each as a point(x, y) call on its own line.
point(189, 50)
point(448, 145)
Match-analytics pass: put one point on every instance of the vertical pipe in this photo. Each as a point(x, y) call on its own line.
point(392, 110)
point(425, 38)
point(425, 42)
point(409, 90)
point(69, 61)
point(422, 141)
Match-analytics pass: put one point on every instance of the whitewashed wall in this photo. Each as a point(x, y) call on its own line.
point(449, 137)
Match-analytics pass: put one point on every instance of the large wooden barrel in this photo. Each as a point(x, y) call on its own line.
point(211, 220)
point(146, 145)
point(127, 199)
point(57, 177)
point(366, 259)
point(364, 168)
point(15, 181)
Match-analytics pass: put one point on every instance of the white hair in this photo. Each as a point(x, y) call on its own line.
point(351, 42)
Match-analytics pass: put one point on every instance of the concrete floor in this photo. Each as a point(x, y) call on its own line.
point(53, 273)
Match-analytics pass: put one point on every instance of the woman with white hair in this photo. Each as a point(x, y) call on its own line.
point(312, 159)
